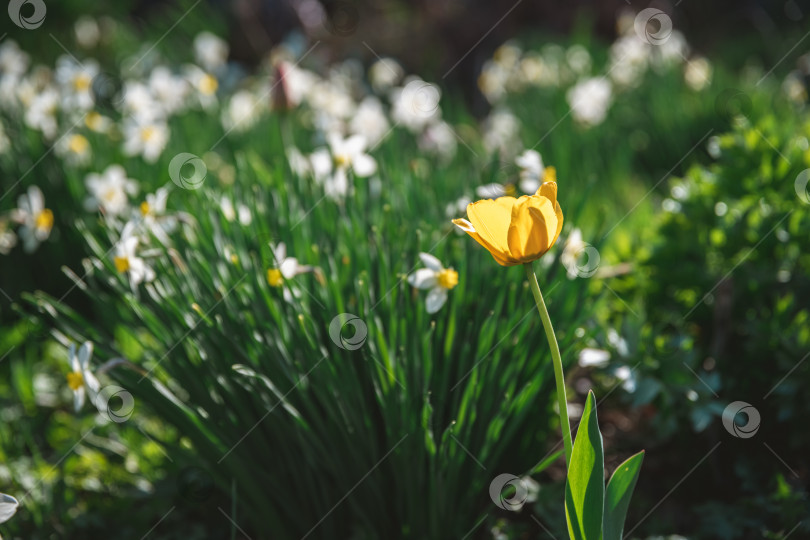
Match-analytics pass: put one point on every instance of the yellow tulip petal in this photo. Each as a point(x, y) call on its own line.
point(491, 218)
point(549, 191)
point(533, 226)
point(558, 213)
point(468, 228)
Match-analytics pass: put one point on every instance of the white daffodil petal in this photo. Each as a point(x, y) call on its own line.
point(73, 358)
point(279, 252)
point(85, 352)
point(430, 261)
point(91, 383)
point(78, 399)
point(423, 278)
point(8, 506)
point(436, 299)
point(364, 165)
point(289, 267)
point(321, 161)
point(593, 357)
point(354, 145)
point(490, 191)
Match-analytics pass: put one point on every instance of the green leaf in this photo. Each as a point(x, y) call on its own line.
point(617, 499)
point(544, 464)
point(585, 489)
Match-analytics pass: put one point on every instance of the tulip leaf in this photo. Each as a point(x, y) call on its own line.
point(585, 489)
point(617, 498)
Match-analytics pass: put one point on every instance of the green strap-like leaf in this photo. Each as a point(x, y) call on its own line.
point(585, 489)
point(617, 499)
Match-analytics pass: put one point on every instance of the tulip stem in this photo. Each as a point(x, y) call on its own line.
point(562, 402)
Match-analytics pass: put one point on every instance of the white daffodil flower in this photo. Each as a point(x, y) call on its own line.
point(36, 220)
point(7, 238)
point(147, 139)
point(127, 260)
point(572, 249)
point(332, 168)
point(40, 113)
point(439, 138)
point(168, 90)
point(74, 149)
point(109, 191)
point(531, 171)
point(370, 120)
point(80, 379)
point(435, 278)
point(204, 84)
point(75, 82)
point(589, 357)
point(590, 100)
point(284, 269)
point(153, 215)
point(210, 51)
point(494, 190)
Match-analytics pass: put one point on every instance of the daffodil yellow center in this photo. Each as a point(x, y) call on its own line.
point(148, 133)
point(447, 278)
point(81, 83)
point(341, 161)
point(44, 220)
point(75, 380)
point(78, 144)
point(274, 277)
point(145, 208)
point(93, 120)
point(208, 84)
point(121, 264)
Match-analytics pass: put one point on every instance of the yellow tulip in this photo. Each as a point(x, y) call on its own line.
point(516, 231)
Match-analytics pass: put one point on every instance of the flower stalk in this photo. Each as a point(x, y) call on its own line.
point(562, 402)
